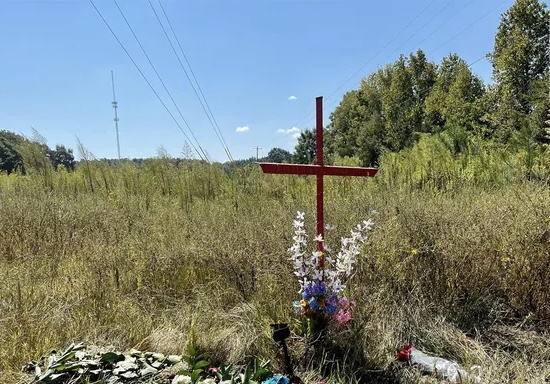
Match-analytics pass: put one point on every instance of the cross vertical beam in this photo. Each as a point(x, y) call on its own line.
point(320, 162)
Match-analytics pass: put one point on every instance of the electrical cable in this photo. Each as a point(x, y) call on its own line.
point(205, 105)
point(373, 57)
point(159, 77)
point(144, 77)
point(326, 105)
point(453, 37)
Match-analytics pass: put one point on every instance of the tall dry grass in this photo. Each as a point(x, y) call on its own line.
point(134, 256)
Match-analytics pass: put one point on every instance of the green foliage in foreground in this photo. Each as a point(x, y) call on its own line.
point(138, 256)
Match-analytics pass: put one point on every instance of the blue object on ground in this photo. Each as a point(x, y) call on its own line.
point(277, 379)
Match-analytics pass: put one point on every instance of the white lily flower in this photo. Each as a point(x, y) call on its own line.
point(317, 275)
point(181, 379)
point(298, 224)
point(337, 268)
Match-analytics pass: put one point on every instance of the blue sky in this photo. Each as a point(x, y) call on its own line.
point(249, 56)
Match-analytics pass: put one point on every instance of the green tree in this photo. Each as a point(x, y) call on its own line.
point(398, 105)
point(10, 155)
point(385, 113)
point(370, 140)
point(455, 96)
point(278, 155)
point(35, 154)
point(520, 62)
point(62, 156)
point(424, 75)
point(304, 152)
point(346, 121)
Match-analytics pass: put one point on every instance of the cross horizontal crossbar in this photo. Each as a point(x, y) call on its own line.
point(310, 169)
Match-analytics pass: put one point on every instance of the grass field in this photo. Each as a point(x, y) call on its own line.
point(134, 256)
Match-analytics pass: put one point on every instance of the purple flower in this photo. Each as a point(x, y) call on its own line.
point(319, 289)
point(308, 292)
point(331, 299)
point(343, 302)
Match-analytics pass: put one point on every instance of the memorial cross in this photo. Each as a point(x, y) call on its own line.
point(318, 169)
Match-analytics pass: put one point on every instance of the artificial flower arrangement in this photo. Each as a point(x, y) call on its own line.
point(323, 276)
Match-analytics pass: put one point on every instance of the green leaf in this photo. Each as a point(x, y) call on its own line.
point(58, 367)
point(112, 358)
point(201, 364)
point(184, 372)
point(191, 350)
point(195, 375)
point(247, 375)
point(261, 374)
point(202, 356)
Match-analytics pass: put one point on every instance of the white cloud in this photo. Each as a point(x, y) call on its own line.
point(296, 135)
point(292, 98)
point(243, 129)
point(294, 131)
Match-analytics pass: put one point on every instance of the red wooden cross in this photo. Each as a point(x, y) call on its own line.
point(318, 169)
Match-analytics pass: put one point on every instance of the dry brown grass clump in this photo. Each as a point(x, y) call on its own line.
point(152, 254)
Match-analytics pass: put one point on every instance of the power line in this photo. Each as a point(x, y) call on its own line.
point(145, 78)
point(406, 41)
point(205, 105)
point(403, 29)
point(159, 77)
point(447, 41)
point(377, 53)
point(468, 27)
point(476, 61)
point(442, 24)
point(373, 57)
point(428, 90)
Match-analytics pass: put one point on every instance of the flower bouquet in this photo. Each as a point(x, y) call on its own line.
point(322, 276)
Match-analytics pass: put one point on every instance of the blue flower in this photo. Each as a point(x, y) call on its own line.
point(277, 379)
point(308, 292)
point(313, 304)
point(296, 306)
point(319, 289)
point(331, 308)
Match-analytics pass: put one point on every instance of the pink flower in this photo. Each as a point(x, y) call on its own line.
point(213, 369)
point(343, 302)
point(342, 317)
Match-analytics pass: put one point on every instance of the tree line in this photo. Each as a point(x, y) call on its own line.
point(394, 106)
point(19, 153)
